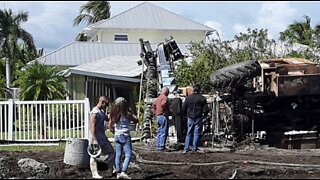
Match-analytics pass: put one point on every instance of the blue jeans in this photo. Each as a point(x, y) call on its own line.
point(162, 133)
point(123, 143)
point(195, 130)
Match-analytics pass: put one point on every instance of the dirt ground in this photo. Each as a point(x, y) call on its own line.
point(245, 162)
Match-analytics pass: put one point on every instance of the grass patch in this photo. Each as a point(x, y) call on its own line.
point(34, 147)
point(43, 147)
point(58, 134)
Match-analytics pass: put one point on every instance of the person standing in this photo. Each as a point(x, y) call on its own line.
point(97, 136)
point(119, 124)
point(161, 110)
point(195, 107)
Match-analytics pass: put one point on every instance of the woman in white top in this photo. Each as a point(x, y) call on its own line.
point(120, 118)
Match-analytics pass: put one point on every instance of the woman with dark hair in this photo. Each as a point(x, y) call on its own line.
point(119, 124)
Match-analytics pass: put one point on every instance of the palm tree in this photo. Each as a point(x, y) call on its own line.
point(317, 35)
point(303, 33)
point(4, 91)
point(93, 11)
point(12, 36)
point(317, 29)
point(299, 32)
point(23, 56)
point(149, 59)
point(40, 82)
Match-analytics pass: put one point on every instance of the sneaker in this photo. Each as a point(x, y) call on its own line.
point(194, 152)
point(123, 175)
point(184, 152)
point(97, 176)
point(118, 175)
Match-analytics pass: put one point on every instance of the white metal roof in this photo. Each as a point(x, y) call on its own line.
point(123, 68)
point(78, 53)
point(149, 16)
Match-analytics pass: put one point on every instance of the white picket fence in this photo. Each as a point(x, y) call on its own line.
point(43, 121)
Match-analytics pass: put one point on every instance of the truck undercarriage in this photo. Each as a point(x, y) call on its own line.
point(253, 98)
point(279, 96)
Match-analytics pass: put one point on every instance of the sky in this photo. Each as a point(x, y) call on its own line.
point(51, 22)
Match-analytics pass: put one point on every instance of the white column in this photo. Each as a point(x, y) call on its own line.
point(86, 117)
point(10, 119)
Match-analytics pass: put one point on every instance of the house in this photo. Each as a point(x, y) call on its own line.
point(106, 64)
point(149, 22)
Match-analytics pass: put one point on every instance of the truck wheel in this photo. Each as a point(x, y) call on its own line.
point(236, 74)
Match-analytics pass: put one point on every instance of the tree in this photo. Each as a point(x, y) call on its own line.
point(149, 58)
point(303, 35)
point(299, 32)
point(316, 37)
point(12, 36)
point(40, 82)
point(207, 58)
point(93, 11)
point(4, 91)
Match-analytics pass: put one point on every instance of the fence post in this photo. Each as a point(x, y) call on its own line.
point(10, 119)
point(86, 117)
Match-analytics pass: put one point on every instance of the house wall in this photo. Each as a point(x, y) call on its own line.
point(94, 87)
point(154, 36)
point(77, 84)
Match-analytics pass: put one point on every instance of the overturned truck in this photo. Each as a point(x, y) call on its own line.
point(272, 96)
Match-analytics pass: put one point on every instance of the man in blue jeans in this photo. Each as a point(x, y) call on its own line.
point(161, 110)
point(195, 107)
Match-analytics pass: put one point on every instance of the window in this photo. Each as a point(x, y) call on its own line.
point(121, 37)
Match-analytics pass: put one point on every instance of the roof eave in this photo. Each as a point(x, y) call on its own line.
point(106, 76)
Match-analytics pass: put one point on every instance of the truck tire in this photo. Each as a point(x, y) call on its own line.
point(236, 74)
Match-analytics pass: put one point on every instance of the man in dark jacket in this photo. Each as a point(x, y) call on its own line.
point(195, 107)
